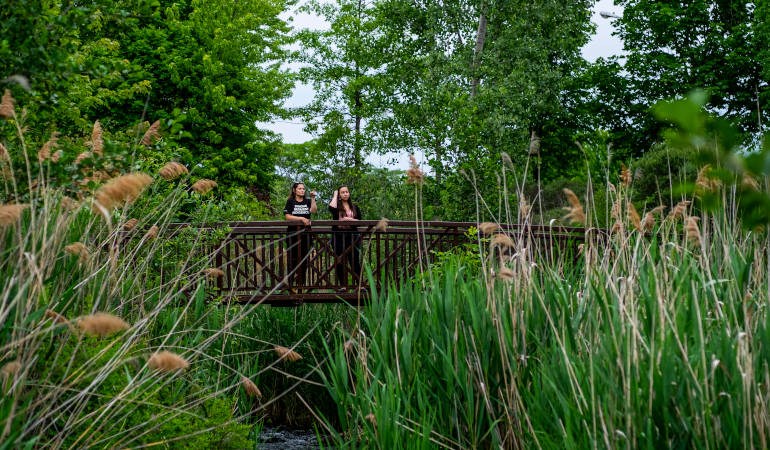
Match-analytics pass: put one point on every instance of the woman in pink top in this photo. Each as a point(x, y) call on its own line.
point(345, 238)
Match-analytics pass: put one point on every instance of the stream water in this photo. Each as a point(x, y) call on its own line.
point(277, 438)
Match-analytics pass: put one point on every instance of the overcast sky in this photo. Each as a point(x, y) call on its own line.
point(603, 43)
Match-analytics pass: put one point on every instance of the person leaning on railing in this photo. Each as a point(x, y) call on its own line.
point(299, 207)
point(345, 237)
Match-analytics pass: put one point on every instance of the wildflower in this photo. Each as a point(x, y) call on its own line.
point(488, 228)
point(130, 224)
point(97, 143)
point(6, 105)
point(575, 211)
point(285, 353)
point(251, 389)
point(382, 225)
point(151, 134)
point(78, 249)
point(165, 361)
point(203, 186)
point(102, 324)
point(172, 170)
point(124, 189)
point(10, 214)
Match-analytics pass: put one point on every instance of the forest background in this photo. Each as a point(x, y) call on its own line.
point(458, 82)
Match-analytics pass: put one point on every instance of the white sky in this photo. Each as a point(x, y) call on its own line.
point(602, 44)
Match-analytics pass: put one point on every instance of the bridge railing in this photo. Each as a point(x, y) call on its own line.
point(258, 266)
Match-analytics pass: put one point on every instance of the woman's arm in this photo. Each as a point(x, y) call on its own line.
point(301, 219)
point(313, 206)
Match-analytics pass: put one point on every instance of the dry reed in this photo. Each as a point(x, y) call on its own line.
point(749, 182)
point(97, 143)
point(81, 157)
point(4, 155)
point(692, 230)
point(45, 151)
point(705, 181)
point(575, 211)
point(56, 317)
point(165, 361)
point(625, 176)
point(10, 369)
point(505, 274)
point(251, 389)
point(102, 324)
point(6, 105)
point(414, 174)
point(69, 203)
point(679, 210)
point(151, 134)
point(203, 186)
point(130, 224)
point(286, 353)
point(382, 225)
point(370, 417)
point(124, 189)
point(488, 228)
point(502, 240)
point(152, 233)
point(10, 214)
point(633, 216)
point(213, 272)
point(78, 249)
point(172, 170)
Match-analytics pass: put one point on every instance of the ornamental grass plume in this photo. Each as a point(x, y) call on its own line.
point(56, 317)
point(102, 324)
point(705, 181)
point(203, 186)
point(45, 151)
point(692, 231)
point(251, 389)
point(151, 134)
point(130, 224)
point(648, 222)
point(502, 240)
point(78, 249)
point(505, 274)
point(213, 272)
point(679, 210)
point(524, 208)
point(382, 225)
point(414, 174)
point(617, 227)
point(488, 228)
point(4, 155)
point(749, 182)
point(165, 361)
point(625, 176)
point(97, 143)
point(81, 157)
point(121, 190)
point(10, 214)
point(575, 211)
point(633, 216)
point(172, 170)
point(285, 353)
point(152, 233)
point(6, 105)
point(370, 417)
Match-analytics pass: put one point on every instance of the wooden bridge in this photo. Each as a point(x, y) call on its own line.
point(258, 266)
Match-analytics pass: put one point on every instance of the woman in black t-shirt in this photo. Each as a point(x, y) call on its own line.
point(345, 237)
point(299, 207)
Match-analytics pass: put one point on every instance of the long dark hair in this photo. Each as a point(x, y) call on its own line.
point(341, 206)
point(292, 193)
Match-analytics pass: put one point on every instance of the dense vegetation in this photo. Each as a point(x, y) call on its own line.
point(121, 117)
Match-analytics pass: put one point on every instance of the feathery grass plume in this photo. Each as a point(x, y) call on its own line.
point(45, 151)
point(172, 170)
point(633, 216)
point(625, 176)
point(6, 105)
point(706, 182)
point(68, 203)
point(102, 324)
point(10, 214)
point(10, 369)
point(679, 210)
point(285, 353)
point(648, 222)
point(524, 208)
point(692, 230)
point(488, 227)
point(382, 225)
point(4, 155)
point(165, 361)
point(203, 186)
point(151, 134)
point(78, 249)
point(213, 272)
point(502, 240)
point(97, 143)
point(152, 233)
point(130, 224)
point(251, 389)
point(534, 143)
point(56, 317)
point(370, 417)
point(505, 274)
point(506, 158)
point(81, 157)
point(414, 174)
point(658, 209)
point(57, 156)
point(124, 189)
point(617, 227)
point(749, 182)
point(575, 211)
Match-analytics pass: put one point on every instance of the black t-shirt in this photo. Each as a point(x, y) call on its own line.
point(299, 209)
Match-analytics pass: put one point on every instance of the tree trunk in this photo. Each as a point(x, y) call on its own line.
point(481, 35)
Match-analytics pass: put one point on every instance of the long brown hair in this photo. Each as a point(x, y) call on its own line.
point(350, 203)
point(293, 192)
